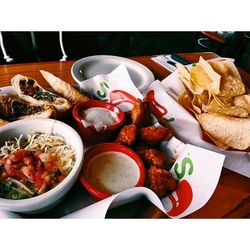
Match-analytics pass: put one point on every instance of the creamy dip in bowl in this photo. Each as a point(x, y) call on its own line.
point(110, 168)
point(97, 121)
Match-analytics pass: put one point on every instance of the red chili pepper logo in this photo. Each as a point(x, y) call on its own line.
point(118, 97)
point(157, 109)
point(181, 199)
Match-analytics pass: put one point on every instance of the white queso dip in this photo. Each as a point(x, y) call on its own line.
point(112, 172)
point(100, 118)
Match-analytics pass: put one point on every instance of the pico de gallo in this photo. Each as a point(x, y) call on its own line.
point(33, 165)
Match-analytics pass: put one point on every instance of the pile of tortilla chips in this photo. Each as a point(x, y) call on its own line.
point(219, 100)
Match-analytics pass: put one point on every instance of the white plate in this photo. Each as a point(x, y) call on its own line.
point(91, 66)
point(8, 90)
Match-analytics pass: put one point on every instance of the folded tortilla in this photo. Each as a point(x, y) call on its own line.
point(232, 131)
point(3, 122)
point(13, 108)
point(37, 95)
point(63, 88)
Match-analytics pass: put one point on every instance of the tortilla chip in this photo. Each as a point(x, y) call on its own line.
point(232, 70)
point(214, 85)
point(231, 83)
point(219, 67)
point(223, 102)
point(242, 101)
point(218, 143)
point(231, 86)
point(185, 102)
point(222, 109)
point(231, 111)
point(199, 100)
point(232, 131)
point(185, 77)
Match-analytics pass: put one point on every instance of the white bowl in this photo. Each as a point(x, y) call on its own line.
point(52, 197)
point(91, 66)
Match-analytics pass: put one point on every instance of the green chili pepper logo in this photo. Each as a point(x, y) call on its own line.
point(103, 93)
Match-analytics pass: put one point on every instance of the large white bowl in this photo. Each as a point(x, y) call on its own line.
point(91, 66)
point(52, 197)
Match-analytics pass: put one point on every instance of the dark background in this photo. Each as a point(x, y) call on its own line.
point(44, 46)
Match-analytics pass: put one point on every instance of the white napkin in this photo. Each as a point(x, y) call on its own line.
point(163, 61)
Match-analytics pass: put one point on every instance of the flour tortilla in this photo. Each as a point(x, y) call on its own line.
point(61, 104)
point(3, 122)
point(232, 131)
point(8, 104)
point(63, 88)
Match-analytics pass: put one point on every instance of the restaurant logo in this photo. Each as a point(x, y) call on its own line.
point(115, 97)
point(118, 97)
point(103, 92)
point(156, 108)
point(183, 196)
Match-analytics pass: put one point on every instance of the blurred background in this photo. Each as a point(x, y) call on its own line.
point(45, 46)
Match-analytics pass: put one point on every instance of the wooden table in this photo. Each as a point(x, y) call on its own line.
point(231, 198)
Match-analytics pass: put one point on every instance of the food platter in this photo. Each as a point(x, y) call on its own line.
point(91, 66)
point(79, 199)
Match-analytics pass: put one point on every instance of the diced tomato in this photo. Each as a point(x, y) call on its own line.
point(18, 155)
point(28, 160)
point(47, 180)
point(61, 177)
point(38, 178)
point(31, 91)
point(9, 170)
point(37, 153)
point(50, 161)
point(3, 175)
point(51, 167)
point(47, 157)
point(17, 165)
point(29, 171)
point(7, 161)
point(41, 168)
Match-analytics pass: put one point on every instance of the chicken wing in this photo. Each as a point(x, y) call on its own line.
point(127, 135)
point(141, 115)
point(161, 181)
point(151, 156)
point(153, 135)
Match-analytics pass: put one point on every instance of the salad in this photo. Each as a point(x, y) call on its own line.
point(33, 165)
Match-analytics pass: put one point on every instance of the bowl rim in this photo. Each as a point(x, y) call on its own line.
point(110, 147)
point(54, 191)
point(99, 104)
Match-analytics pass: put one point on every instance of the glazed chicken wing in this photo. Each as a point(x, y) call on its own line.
point(141, 115)
point(152, 156)
point(161, 181)
point(127, 135)
point(153, 135)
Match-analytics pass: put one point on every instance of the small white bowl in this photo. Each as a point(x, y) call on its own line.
point(52, 197)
